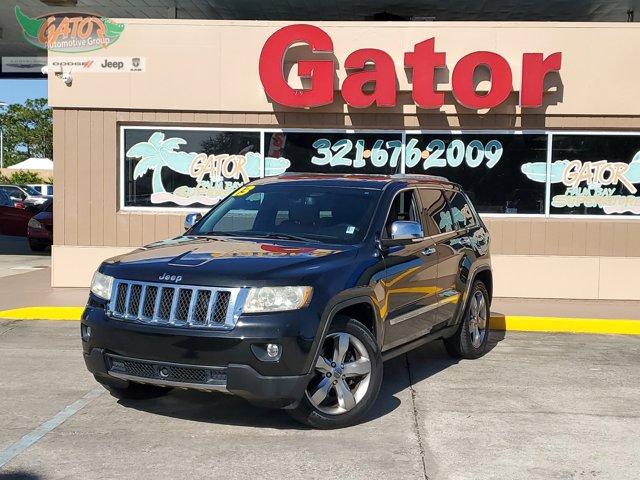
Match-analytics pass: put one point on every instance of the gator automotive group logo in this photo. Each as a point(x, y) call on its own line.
point(69, 32)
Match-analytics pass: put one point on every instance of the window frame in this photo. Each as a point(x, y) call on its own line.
point(383, 229)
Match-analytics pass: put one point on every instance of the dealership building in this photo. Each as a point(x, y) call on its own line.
point(538, 121)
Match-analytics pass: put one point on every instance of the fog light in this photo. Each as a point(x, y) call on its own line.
point(85, 332)
point(273, 350)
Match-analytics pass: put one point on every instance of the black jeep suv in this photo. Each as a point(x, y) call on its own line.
point(292, 292)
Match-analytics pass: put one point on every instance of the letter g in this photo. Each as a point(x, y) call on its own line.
point(319, 71)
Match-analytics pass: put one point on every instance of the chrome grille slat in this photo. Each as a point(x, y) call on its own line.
point(176, 305)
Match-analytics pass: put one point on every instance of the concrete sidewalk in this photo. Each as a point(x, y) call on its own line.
point(33, 289)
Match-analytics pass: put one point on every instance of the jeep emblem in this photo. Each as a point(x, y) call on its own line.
point(170, 278)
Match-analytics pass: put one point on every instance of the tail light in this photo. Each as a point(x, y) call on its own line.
point(20, 205)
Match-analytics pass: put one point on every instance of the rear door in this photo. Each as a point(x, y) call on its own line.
point(411, 277)
point(457, 253)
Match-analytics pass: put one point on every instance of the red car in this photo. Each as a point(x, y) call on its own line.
point(14, 219)
point(40, 228)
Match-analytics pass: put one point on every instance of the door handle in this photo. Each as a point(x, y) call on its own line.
point(428, 251)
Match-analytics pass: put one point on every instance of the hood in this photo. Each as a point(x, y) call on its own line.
point(225, 261)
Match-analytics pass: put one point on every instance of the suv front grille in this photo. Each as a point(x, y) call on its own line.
point(166, 372)
point(174, 305)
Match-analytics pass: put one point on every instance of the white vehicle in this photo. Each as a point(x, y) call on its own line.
point(24, 194)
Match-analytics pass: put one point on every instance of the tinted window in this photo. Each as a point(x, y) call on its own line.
point(5, 200)
point(327, 214)
point(30, 190)
point(404, 207)
point(15, 192)
point(461, 210)
point(436, 215)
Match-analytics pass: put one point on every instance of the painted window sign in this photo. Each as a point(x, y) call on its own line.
point(339, 152)
point(592, 174)
point(487, 165)
point(196, 167)
point(503, 172)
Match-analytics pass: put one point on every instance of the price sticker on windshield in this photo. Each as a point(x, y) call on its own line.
point(242, 191)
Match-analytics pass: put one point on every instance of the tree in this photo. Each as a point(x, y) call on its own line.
point(27, 131)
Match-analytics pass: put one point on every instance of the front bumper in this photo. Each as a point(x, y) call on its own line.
point(216, 360)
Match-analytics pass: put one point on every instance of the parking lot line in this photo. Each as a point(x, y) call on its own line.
point(37, 433)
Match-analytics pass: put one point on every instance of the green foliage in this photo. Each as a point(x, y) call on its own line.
point(22, 177)
point(28, 131)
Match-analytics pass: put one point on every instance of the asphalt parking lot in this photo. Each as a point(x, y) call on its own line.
point(537, 406)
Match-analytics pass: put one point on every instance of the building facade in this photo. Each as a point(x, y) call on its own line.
point(540, 123)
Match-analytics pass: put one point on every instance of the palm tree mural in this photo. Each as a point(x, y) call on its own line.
point(157, 153)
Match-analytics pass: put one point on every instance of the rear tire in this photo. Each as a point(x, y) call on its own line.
point(348, 377)
point(471, 339)
point(37, 246)
point(135, 391)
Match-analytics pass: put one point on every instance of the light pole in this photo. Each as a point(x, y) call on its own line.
point(2, 105)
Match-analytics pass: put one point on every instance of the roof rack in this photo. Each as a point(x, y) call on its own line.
point(421, 176)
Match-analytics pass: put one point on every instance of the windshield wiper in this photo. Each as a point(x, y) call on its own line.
point(284, 236)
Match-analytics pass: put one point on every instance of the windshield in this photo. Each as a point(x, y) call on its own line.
point(325, 214)
point(30, 190)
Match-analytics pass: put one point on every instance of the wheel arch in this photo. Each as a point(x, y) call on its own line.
point(360, 307)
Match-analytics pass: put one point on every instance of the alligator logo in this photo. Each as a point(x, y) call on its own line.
point(591, 184)
point(216, 175)
point(69, 32)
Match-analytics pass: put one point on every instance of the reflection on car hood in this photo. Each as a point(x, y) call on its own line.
point(226, 261)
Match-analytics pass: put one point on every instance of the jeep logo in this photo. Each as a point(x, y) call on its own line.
point(116, 65)
point(170, 278)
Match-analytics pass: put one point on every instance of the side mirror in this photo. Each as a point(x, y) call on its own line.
point(191, 219)
point(404, 232)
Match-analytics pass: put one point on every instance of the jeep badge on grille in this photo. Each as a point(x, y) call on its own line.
point(170, 278)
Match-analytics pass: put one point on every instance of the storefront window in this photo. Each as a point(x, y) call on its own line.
point(488, 166)
point(503, 173)
point(186, 167)
point(320, 152)
point(595, 174)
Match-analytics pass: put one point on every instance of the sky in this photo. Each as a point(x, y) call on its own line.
point(17, 91)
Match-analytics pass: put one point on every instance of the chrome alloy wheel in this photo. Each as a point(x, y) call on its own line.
point(477, 319)
point(343, 372)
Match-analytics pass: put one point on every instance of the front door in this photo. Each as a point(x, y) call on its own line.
point(411, 278)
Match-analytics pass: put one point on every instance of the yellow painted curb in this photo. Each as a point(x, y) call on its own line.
point(498, 322)
point(43, 313)
point(565, 325)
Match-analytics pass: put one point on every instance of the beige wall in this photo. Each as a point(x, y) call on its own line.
point(213, 65)
point(201, 73)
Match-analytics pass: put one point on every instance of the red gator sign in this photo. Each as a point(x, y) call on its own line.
point(423, 61)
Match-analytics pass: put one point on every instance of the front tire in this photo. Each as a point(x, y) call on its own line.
point(472, 337)
point(348, 377)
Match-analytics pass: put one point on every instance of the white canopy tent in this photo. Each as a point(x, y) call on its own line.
point(33, 164)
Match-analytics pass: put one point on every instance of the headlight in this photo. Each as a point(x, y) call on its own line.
point(277, 299)
point(101, 285)
point(35, 224)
